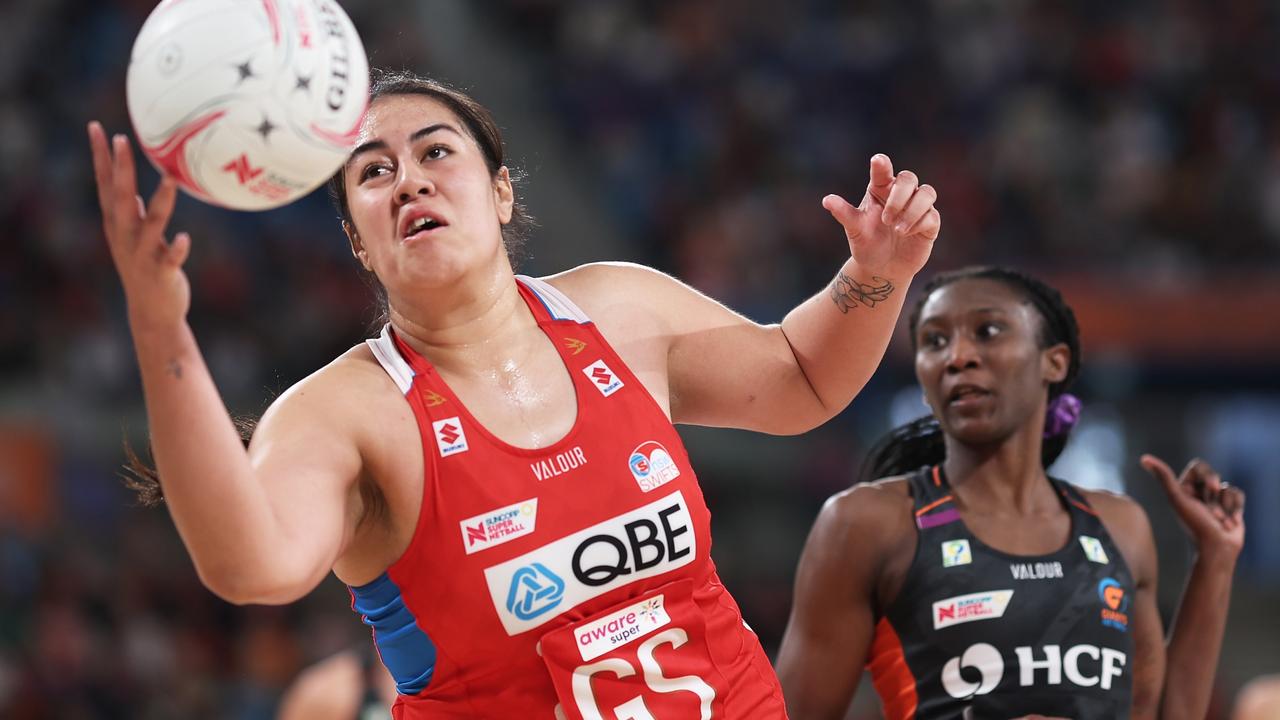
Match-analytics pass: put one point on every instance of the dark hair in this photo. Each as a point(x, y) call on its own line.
point(478, 122)
point(920, 442)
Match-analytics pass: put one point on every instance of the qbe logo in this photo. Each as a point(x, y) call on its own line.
point(651, 465)
point(534, 591)
point(450, 437)
point(648, 541)
point(603, 378)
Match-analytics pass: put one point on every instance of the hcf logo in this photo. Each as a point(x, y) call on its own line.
point(534, 590)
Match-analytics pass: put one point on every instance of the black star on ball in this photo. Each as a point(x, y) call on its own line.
point(304, 83)
point(264, 129)
point(245, 71)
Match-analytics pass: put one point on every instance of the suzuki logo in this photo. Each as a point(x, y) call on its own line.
point(243, 170)
point(602, 376)
point(448, 433)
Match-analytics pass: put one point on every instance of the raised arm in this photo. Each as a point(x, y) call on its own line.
point(265, 529)
point(1213, 514)
point(832, 623)
point(718, 368)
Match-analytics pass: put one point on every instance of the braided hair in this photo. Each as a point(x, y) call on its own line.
point(920, 442)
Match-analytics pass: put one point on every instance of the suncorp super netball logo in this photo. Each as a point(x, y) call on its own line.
point(651, 465)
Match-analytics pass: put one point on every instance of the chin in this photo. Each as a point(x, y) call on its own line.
point(975, 431)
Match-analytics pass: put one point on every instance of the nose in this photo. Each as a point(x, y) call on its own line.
point(962, 353)
point(413, 182)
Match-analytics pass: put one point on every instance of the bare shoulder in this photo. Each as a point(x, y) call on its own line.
point(353, 374)
point(328, 689)
point(617, 290)
point(880, 509)
point(1117, 510)
point(1130, 528)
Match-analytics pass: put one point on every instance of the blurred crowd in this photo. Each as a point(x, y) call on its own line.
point(1131, 140)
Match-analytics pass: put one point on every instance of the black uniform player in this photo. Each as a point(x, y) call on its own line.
point(973, 585)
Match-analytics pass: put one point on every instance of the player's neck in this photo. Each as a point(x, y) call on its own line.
point(460, 325)
point(1004, 477)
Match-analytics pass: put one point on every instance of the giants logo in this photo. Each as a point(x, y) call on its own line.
point(1115, 604)
point(645, 542)
point(980, 668)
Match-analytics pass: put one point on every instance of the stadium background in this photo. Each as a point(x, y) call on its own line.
point(1129, 152)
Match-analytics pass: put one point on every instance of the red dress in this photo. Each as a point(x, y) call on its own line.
point(571, 581)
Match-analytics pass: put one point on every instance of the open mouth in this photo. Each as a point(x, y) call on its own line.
point(421, 224)
point(966, 395)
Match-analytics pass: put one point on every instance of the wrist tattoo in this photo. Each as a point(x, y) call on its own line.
point(849, 293)
point(175, 369)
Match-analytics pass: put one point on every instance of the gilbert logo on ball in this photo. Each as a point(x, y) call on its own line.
point(248, 104)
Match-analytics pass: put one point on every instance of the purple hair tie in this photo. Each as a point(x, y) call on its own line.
point(1062, 415)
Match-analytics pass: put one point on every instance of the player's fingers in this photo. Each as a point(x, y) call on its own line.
point(917, 208)
point(1162, 472)
point(881, 177)
point(101, 169)
point(845, 213)
point(179, 250)
point(157, 214)
point(904, 186)
point(1232, 501)
point(124, 187)
point(1204, 480)
point(929, 226)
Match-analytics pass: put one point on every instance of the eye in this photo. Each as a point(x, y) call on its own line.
point(933, 340)
point(436, 152)
point(988, 330)
point(373, 170)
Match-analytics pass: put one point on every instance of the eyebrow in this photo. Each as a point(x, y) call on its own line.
point(976, 311)
point(416, 136)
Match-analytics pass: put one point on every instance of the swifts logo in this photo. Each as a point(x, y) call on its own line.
point(575, 345)
point(603, 378)
point(450, 437)
point(651, 465)
point(432, 398)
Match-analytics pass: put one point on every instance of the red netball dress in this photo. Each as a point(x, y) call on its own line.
point(572, 581)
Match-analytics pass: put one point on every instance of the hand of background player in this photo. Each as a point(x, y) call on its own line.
point(891, 232)
point(1210, 509)
point(150, 269)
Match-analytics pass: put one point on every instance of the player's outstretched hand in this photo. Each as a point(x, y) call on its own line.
point(891, 232)
point(1211, 510)
point(150, 268)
